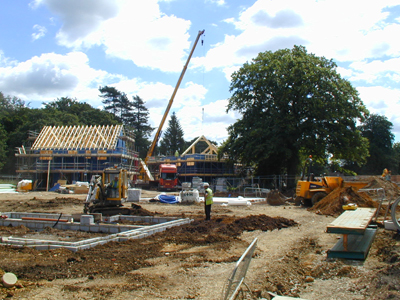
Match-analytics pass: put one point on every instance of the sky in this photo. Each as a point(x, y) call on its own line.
point(51, 49)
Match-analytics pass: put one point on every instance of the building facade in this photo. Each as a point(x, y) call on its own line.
point(75, 153)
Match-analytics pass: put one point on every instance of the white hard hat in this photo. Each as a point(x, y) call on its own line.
point(206, 184)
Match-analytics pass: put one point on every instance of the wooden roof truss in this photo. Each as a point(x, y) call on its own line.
point(211, 149)
point(78, 137)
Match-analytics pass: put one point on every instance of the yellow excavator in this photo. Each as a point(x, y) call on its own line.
point(107, 192)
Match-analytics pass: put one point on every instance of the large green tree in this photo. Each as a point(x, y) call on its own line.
point(67, 111)
point(139, 120)
point(396, 155)
point(293, 102)
point(3, 146)
point(13, 114)
point(113, 100)
point(172, 139)
point(377, 129)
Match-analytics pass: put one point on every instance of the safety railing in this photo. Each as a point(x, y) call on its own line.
point(235, 281)
point(255, 192)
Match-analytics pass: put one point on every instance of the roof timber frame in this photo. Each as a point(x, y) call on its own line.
point(211, 149)
point(78, 137)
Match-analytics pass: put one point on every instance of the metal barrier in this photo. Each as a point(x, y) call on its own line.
point(236, 279)
point(255, 192)
point(380, 193)
point(395, 217)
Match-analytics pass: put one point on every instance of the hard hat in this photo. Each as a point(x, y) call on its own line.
point(206, 184)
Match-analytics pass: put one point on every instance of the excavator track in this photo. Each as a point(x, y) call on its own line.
point(111, 211)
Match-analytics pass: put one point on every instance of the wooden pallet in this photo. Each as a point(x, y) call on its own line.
point(357, 236)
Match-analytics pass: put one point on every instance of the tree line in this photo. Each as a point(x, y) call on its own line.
point(17, 119)
point(291, 103)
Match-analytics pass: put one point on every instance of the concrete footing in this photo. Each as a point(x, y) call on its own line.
point(117, 232)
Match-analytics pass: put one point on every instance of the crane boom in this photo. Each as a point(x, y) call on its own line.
point(153, 145)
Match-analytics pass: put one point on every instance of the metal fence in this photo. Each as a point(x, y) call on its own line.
point(238, 275)
point(10, 178)
point(255, 186)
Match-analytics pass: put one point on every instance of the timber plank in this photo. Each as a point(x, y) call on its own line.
point(352, 221)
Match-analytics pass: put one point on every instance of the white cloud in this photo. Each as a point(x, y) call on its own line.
point(209, 120)
point(324, 27)
point(40, 32)
point(229, 71)
point(80, 18)
point(217, 2)
point(51, 76)
point(153, 40)
point(371, 71)
point(383, 101)
point(187, 103)
point(130, 30)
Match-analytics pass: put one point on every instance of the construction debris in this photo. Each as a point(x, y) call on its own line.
point(9, 280)
point(7, 188)
point(275, 197)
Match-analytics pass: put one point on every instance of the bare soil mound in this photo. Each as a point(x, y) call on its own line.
point(137, 210)
point(224, 229)
point(332, 204)
point(392, 190)
point(276, 198)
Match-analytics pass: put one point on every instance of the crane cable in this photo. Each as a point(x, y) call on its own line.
point(202, 112)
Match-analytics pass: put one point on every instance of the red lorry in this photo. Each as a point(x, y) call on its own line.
point(168, 177)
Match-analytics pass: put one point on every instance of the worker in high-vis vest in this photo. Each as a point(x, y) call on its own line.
point(208, 200)
point(114, 184)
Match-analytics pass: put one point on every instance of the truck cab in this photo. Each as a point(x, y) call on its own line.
point(168, 177)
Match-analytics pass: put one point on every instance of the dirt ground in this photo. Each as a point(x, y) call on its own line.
point(194, 261)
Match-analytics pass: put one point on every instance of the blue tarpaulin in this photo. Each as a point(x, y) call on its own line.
point(168, 199)
point(55, 187)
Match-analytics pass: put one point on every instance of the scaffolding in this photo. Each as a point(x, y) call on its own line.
point(190, 164)
point(75, 153)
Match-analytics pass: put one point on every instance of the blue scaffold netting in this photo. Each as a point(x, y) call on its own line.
point(169, 199)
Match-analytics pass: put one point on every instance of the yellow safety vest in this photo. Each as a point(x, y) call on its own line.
point(209, 198)
point(114, 184)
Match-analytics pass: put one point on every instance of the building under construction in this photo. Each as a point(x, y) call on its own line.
point(75, 153)
point(191, 164)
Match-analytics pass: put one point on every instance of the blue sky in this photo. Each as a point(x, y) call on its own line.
point(51, 49)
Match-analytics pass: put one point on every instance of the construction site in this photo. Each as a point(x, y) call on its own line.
point(89, 219)
point(67, 232)
point(168, 251)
